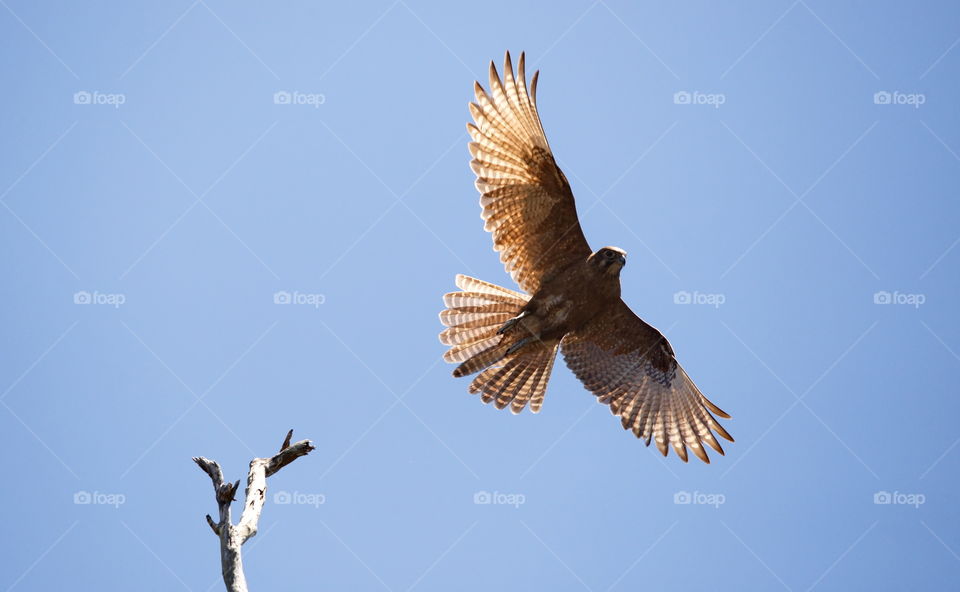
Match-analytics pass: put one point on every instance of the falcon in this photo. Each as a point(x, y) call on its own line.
point(571, 294)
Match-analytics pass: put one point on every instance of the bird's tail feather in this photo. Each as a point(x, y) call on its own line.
point(520, 379)
point(473, 318)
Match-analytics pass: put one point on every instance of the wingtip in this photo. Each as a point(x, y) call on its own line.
point(712, 442)
point(723, 433)
point(662, 447)
point(494, 76)
point(716, 409)
point(701, 453)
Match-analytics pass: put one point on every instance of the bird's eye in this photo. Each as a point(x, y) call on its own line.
point(608, 254)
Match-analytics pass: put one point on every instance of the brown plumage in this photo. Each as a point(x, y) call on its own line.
point(574, 306)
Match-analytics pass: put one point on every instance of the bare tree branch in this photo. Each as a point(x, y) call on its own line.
point(213, 525)
point(287, 456)
point(232, 537)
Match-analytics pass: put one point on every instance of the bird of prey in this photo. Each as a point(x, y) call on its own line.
point(572, 294)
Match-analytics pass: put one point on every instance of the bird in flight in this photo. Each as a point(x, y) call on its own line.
point(571, 294)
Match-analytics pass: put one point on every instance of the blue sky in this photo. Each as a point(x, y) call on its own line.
point(792, 231)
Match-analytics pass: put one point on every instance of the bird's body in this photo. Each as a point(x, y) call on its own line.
point(571, 298)
point(574, 302)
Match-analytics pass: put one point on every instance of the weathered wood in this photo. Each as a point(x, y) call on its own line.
point(232, 537)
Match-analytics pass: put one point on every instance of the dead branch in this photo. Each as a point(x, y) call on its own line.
point(232, 537)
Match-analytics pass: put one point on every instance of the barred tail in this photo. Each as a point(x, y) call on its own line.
point(473, 318)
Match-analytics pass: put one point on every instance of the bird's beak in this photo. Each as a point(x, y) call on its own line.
point(621, 259)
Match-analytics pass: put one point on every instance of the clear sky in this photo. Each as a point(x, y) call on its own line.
point(791, 219)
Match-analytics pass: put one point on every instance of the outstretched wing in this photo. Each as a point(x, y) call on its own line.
point(630, 366)
point(527, 202)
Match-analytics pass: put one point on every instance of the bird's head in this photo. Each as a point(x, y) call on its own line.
point(609, 260)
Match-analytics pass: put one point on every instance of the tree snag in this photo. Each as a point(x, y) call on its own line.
point(233, 536)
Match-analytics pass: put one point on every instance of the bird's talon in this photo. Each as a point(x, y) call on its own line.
point(516, 346)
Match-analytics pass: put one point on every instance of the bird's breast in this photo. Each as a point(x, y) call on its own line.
point(557, 310)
